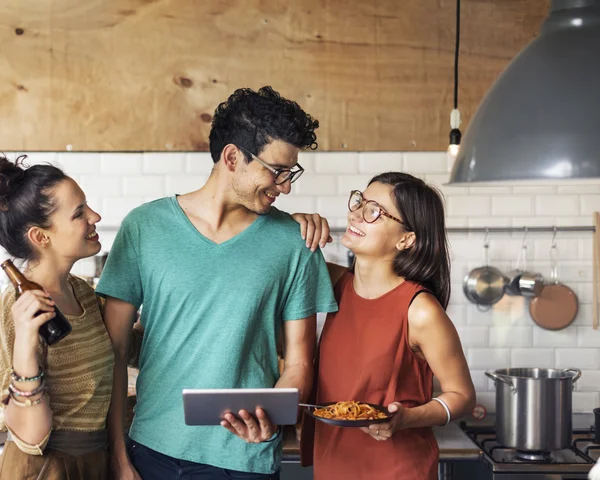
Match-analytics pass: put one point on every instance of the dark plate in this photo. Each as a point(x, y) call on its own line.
point(352, 423)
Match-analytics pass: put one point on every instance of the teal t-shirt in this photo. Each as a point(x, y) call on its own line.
point(211, 314)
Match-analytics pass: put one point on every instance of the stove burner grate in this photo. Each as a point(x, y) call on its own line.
point(533, 457)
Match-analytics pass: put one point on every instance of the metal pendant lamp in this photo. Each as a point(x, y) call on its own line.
point(541, 119)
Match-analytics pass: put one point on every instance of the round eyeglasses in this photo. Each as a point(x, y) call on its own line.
point(371, 209)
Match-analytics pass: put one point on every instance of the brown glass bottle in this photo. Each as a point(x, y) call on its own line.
point(54, 329)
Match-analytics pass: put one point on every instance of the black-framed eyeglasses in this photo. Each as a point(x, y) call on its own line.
point(281, 175)
point(371, 209)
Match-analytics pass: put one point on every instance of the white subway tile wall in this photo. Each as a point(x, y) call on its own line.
point(503, 336)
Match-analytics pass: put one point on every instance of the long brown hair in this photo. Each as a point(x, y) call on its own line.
point(427, 261)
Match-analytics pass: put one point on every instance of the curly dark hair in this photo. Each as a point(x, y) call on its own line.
point(252, 120)
point(422, 208)
point(25, 202)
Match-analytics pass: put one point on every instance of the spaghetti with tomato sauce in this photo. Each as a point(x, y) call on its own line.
point(351, 410)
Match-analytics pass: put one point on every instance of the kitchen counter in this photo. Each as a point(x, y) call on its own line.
point(452, 441)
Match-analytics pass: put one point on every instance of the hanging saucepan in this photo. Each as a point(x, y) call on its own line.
point(485, 285)
point(523, 282)
point(556, 307)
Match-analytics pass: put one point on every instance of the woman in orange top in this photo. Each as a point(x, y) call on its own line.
point(389, 337)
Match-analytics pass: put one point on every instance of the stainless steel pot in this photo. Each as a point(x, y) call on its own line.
point(527, 284)
point(534, 407)
point(522, 282)
point(531, 284)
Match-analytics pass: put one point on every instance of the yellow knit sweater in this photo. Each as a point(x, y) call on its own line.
point(79, 368)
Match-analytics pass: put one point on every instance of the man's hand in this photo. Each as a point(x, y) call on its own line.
point(314, 229)
point(247, 428)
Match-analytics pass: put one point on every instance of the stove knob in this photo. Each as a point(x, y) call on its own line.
point(479, 412)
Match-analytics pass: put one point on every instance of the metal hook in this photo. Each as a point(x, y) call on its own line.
point(524, 242)
point(486, 247)
point(554, 258)
point(523, 253)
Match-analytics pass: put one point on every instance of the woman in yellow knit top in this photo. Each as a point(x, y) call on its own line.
point(55, 398)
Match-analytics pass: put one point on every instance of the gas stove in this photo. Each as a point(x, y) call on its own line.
point(507, 463)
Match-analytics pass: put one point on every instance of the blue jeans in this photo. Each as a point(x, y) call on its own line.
point(152, 465)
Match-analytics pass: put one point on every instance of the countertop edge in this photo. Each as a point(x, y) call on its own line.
point(453, 443)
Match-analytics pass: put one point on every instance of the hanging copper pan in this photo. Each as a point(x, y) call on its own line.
point(556, 307)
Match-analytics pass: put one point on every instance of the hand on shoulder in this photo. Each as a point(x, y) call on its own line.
point(314, 229)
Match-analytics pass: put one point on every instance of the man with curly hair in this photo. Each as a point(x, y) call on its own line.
point(220, 273)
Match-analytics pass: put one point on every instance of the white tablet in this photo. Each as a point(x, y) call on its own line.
point(208, 406)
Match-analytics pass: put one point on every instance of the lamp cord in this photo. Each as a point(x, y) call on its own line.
point(456, 54)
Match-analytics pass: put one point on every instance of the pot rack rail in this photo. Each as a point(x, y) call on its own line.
point(524, 229)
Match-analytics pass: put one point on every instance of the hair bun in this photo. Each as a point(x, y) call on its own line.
point(11, 176)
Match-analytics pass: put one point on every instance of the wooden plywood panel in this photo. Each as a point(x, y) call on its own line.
point(126, 75)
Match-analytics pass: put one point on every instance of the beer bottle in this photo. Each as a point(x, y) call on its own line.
point(54, 329)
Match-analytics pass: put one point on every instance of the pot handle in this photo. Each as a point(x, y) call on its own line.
point(576, 371)
point(501, 378)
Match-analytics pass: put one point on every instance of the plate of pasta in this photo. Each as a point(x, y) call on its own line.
point(350, 413)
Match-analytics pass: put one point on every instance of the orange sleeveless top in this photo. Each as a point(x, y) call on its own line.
point(364, 355)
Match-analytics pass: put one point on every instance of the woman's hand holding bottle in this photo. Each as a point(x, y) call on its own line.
point(30, 311)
